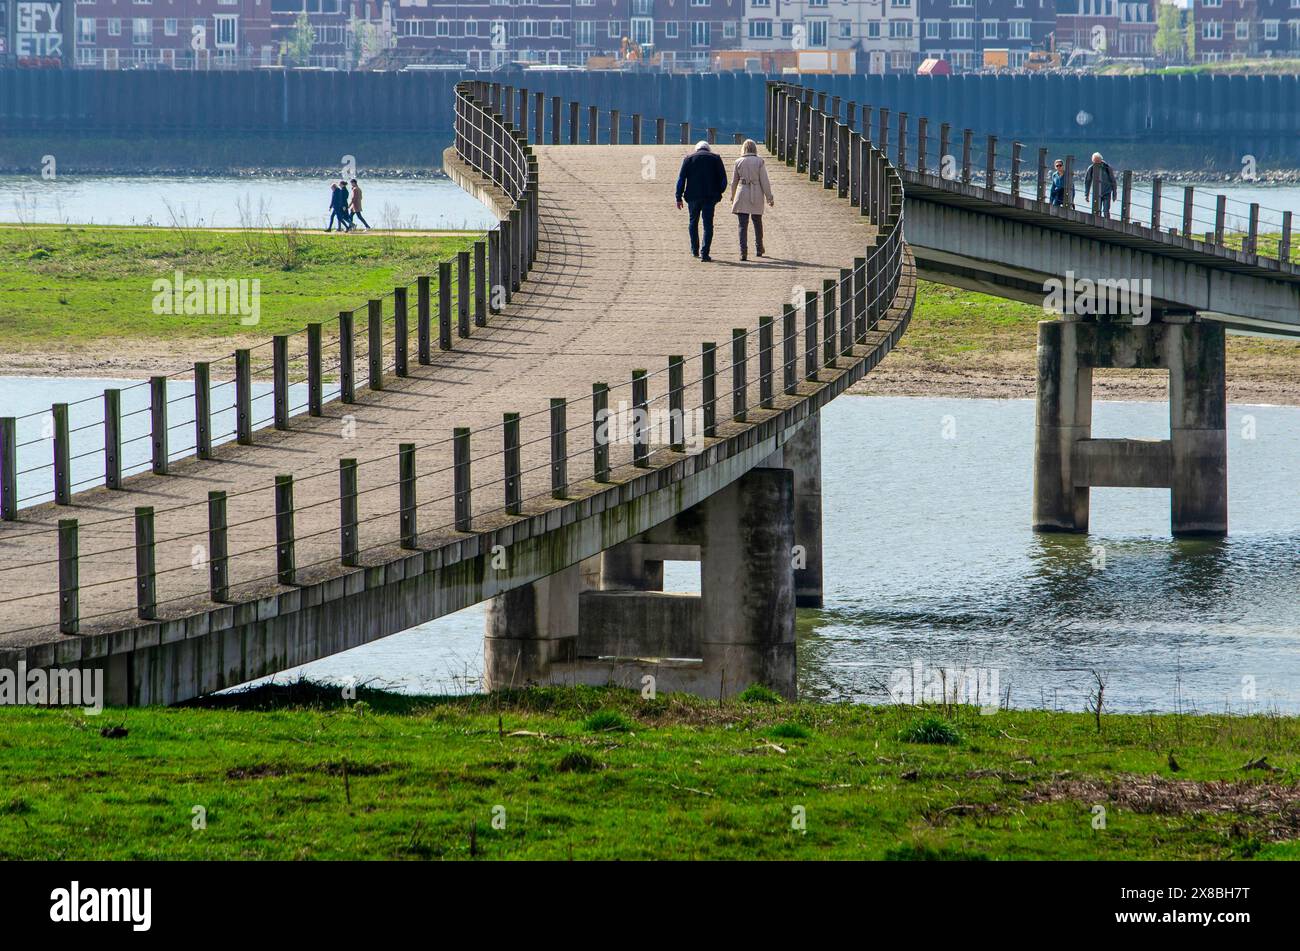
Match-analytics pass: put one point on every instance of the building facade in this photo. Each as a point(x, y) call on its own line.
point(882, 34)
point(960, 31)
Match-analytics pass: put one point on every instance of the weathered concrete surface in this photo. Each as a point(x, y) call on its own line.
point(614, 289)
point(1192, 463)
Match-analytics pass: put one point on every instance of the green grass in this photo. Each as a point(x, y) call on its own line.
point(67, 286)
point(297, 773)
point(951, 324)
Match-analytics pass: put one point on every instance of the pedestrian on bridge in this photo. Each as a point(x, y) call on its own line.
point(1059, 184)
point(749, 188)
point(702, 181)
point(339, 207)
point(354, 206)
point(1099, 181)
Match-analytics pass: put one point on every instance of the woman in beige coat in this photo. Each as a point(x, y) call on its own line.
point(749, 188)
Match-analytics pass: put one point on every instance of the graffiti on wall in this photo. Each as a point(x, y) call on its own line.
point(38, 32)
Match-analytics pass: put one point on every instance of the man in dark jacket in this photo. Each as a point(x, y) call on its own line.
point(1099, 181)
point(339, 207)
point(702, 181)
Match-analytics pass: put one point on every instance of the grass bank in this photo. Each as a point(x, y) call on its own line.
point(69, 287)
point(597, 774)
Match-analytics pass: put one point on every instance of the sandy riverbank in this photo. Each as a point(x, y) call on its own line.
point(1006, 374)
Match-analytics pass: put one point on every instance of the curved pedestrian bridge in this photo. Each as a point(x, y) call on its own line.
point(445, 498)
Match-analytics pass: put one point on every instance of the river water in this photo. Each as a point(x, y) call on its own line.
point(232, 202)
point(930, 561)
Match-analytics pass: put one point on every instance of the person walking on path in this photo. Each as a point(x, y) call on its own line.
point(702, 181)
point(1057, 194)
point(749, 188)
point(338, 207)
point(355, 205)
point(1099, 181)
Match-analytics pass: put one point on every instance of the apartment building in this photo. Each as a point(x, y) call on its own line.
point(881, 33)
point(961, 30)
point(1117, 28)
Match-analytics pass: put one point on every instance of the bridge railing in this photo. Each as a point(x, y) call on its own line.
point(257, 540)
point(958, 158)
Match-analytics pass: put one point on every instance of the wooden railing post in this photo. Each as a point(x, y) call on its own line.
point(113, 434)
point(8, 468)
point(62, 455)
point(765, 362)
point(347, 358)
point(146, 592)
point(789, 350)
point(480, 284)
point(284, 535)
point(559, 449)
point(640, 421)
point(158, 423)
point(600, 431)
point(461, 478)
point(709, 387)
point(349, 546)
point(1156, 222)
point(424, 316)
point(828, 321)
point(69, 578)
point(738, 344)
point(444, 305)
point(401, 365)
point(280, 379)
point(218, 549)
point(810, 335)
point(408, 522)
point(462, 293)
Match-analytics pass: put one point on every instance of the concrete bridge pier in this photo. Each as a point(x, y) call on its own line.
point(1192, 463)
point(608, 620)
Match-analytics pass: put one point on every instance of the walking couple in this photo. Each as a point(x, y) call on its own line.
point(702, 182)
point(345, 205)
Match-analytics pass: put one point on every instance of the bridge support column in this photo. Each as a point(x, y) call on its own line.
point(617, 625)
point(802, 455)
point(1192, 463)
point(531, 632)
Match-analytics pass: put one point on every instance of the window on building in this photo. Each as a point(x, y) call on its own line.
point(699, 32)
point(585, 3)
point(961, 3)
point(1211, 3)
point(817, 33)
point(225, 31)
point(990, 29)
point(471, 27)
point(442, 28)
point(114, 26)
point(729, 30)
point(169, 26)
point(900, 59)
point(900, 29)
point(932, 29)
point(584, 33)
point(141, 31)
point(699, 3)
point(1243, 29)
point(760, 3)
point(963, 29)
point(760, 29)
point(614, 29)
point(787, 29)
point(846, 30)
point(85, 30)
point(527, 27)
point(1270, 29)
point(900, 3)
point(873, 30)
point(1212, 30)
point(816, 3)
point(671, 30)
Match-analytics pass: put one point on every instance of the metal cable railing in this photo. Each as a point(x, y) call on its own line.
point(1214, 223)
point(821, 333)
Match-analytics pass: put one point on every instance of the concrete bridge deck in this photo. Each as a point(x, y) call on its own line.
point(614, 289)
